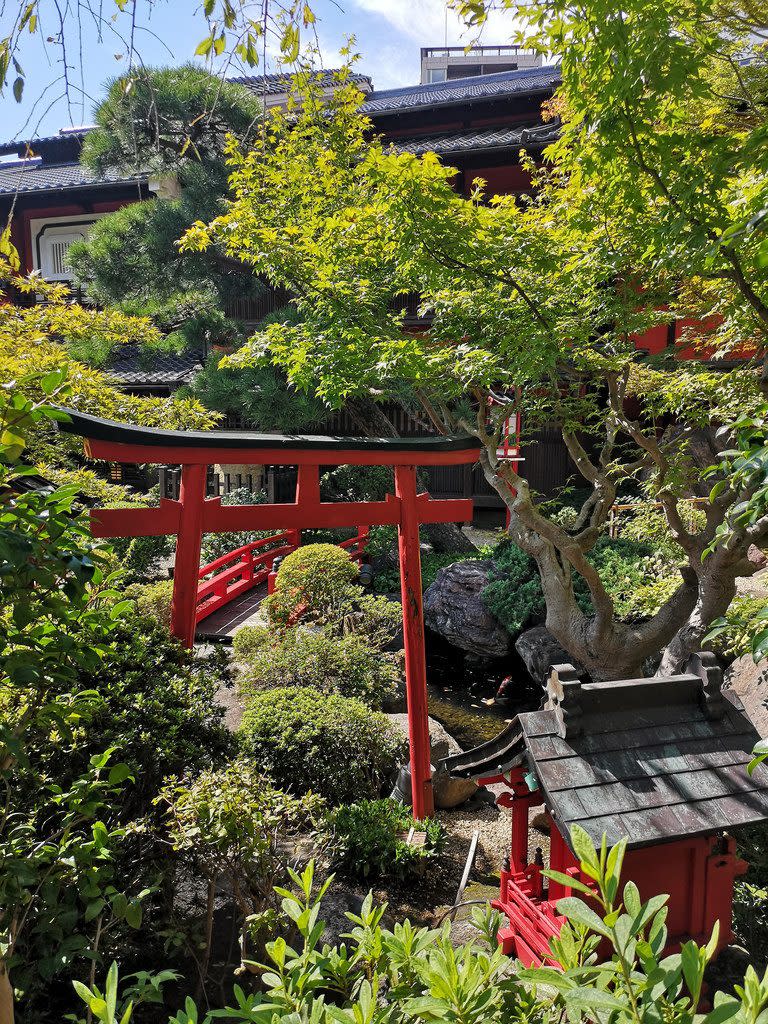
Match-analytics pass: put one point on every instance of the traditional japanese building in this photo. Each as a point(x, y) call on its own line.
point(660, 763)
point(478, 124)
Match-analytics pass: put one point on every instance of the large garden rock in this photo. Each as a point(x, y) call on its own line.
point(448, 792)
point(750, 684)
point(540, 651)
point(453, 608)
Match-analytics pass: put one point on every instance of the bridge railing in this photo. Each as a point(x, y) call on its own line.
point(231, 575)
point(356, 546)
point(244, 568)
point(532, 923)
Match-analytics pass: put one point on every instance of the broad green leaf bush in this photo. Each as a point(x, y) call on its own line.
point(742, 630)
point(97, 706)
point(382, 976)
point(116, 1004)
point(313, 581)
point(637, 982)
point(369, 839)
point(750, 895)
point(157, 707)
point(309, 740)
point(58, 881)
point(235, 829)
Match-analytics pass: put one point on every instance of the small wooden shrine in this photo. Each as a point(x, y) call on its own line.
point(660, 761)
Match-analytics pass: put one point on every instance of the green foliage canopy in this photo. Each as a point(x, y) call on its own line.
point(638, 216)
point(171, 123)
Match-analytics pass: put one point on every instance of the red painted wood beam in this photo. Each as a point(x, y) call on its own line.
point(413, 642)
point(187, 565)
point(218, 518)
point(137, 522)
point(115, 451)
point(308, 486)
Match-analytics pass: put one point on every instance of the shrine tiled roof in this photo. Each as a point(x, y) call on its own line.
point(135, 368)
point(503, 84)
point(29, 177)
point(480, 139)
point(649, 760)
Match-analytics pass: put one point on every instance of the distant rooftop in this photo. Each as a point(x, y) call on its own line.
point(445, 63)
point(33, 176)
point(274, 87)
point(267, 85)
point(481, 140)
point(528, 81)
point(59, 167)
point(135, 368)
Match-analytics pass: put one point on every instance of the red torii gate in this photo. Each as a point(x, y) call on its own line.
point(194, 514)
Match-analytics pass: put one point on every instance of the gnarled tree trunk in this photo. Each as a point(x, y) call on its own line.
point(605, 646)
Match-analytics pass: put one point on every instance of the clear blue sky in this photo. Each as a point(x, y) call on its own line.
point(388, 36)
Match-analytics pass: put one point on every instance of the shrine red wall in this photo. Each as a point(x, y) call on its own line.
point(697, 874)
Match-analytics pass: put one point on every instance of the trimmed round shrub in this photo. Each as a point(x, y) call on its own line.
point(350, 654)
point(153, 600)
point(315, 580)
point(370, 839)
point(248, 640)
point(346, 664)
point(307, 740)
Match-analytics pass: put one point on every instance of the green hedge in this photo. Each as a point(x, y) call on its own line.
point(308, 740)
point(348, 664)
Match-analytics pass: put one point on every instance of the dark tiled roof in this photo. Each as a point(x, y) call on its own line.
point(19, 145)
point(43, 177)
point(30, 483)
point(647, 759)
point(480, 139)
point(269, 85)
point(133, 367)
point(462, 90)
point(273, 85)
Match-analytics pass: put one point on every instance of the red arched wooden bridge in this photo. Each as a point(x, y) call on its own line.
point(231, 588)
point(194, 514)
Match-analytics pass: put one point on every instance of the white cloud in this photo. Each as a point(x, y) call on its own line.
point(430, 21)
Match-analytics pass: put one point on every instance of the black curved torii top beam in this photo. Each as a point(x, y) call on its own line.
point(108, 439)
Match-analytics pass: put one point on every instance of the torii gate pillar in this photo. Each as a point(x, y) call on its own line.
point(413, 642)
point(188, 545)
